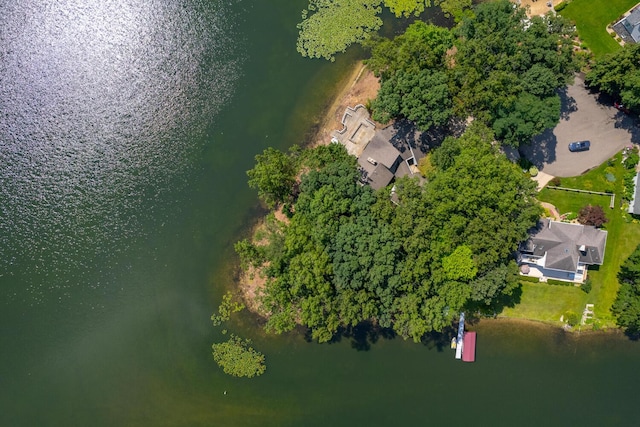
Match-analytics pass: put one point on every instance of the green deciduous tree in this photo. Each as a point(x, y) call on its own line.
point(626, 307)
point(415, 83)
point(330, 26)
point(273, 176)
point(618, 75)
point(529, 116)
point(457, 9)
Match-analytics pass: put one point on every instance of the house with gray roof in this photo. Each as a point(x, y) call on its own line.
point(634, 204)
point(628, 28)
point(380, 162)
point(561, 251)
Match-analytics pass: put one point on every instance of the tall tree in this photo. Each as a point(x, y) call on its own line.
point(415, 84)
point(626, 307)
point(618, 75)
point(273, 176)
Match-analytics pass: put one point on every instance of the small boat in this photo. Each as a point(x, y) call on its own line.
point(454, 343)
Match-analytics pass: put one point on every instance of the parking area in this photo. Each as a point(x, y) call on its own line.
point(585, 116)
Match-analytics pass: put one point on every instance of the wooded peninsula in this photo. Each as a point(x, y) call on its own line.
point(411, 256)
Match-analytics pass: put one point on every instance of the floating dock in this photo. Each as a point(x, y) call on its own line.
point(469, 351)
point(460, 340)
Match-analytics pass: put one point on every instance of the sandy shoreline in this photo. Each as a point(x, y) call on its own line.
point(358, 87)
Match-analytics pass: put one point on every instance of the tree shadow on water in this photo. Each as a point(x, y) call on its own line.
point(361, 336)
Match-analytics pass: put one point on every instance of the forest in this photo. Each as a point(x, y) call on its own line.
point(346, 254)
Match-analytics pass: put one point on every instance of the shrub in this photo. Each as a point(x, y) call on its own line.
point(559, 282)
point(632, 159)
point(555, 181)
point(618, 39)
point(586, 286)
point(570, 216)
point(533, 171)
point(530, 279)
point(592, 215)
point(572, 318)
point(560, 6)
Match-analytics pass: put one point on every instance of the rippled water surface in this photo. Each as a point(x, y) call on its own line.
point(126, 128)
point(103, 105)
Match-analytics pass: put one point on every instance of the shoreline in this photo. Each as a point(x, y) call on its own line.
point(357, 87)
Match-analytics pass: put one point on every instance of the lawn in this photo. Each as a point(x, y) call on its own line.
point(548, 302)
point(543, 302)
point(592, 17)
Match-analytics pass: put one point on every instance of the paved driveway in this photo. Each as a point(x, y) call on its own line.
point(584, 116)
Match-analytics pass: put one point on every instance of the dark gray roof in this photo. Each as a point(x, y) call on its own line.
point(562, 243)
point(379, 177)
point(383, 152)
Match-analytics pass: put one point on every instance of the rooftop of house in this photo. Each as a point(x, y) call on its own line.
point(379, 159)
point(565, 245)
point(633, 18)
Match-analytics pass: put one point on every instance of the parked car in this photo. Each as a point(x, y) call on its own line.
point(579, 146)
point(621, 107)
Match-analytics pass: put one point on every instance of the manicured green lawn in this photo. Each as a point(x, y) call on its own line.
point(592, 17)
point(548, 302)
point(543, 302)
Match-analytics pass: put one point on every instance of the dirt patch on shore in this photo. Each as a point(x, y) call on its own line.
point(537, 7)
point(360, 87)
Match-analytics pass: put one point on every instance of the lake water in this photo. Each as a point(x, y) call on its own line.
point(126, 128)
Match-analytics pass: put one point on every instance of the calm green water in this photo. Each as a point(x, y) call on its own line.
point(126, 128)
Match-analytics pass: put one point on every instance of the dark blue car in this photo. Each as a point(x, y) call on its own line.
point(579, 146)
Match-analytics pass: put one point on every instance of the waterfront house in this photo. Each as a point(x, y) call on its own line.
point(561, 251)
point(379, 161)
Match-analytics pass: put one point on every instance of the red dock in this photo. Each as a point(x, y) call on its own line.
point(469, 348)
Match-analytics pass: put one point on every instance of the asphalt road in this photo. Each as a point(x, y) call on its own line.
point(584, 116)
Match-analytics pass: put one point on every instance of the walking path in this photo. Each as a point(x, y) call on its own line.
point(542, 179)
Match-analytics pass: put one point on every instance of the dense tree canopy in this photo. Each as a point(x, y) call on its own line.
point(415, 84)
point(508, 68)
point(618, 75)
point(626, 307)
point(505, 70)
point(349, 255)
